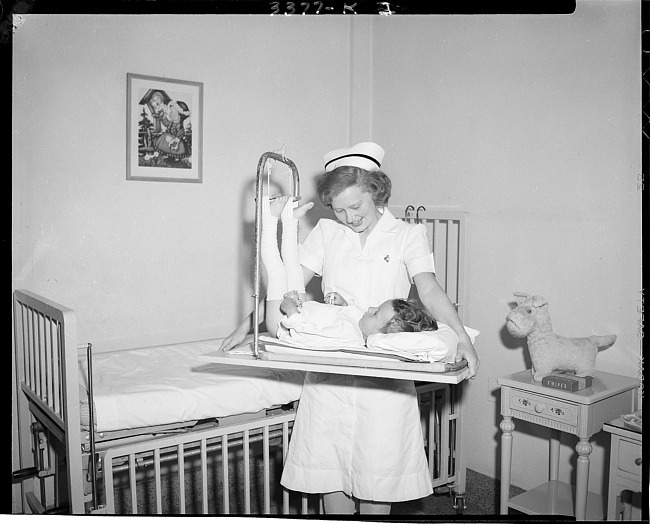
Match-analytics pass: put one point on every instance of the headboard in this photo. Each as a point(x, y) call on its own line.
point(446, 234)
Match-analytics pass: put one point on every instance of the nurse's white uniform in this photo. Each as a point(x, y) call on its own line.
point(361, 435)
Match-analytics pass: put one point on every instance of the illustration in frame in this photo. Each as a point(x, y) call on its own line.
point(164, 129)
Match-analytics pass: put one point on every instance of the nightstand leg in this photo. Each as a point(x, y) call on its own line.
point(582, 478)
point(507, 427)
point(554, 455)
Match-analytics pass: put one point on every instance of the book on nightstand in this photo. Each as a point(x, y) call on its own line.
point(567, 382)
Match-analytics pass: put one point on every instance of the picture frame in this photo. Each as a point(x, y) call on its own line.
point(164, 129)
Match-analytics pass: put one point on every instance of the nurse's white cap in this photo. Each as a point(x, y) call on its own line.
point(366, 155)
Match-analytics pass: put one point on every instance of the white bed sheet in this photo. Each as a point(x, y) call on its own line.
point(167, 384)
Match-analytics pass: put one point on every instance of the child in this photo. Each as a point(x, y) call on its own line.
point(312, 323)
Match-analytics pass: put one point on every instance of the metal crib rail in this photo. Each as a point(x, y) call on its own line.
point(46, 380)
point(177, 450)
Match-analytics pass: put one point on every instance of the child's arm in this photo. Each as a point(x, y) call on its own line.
point(290, 303)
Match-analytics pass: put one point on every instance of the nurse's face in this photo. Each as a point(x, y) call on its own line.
point(356, 209)
point(376, 318)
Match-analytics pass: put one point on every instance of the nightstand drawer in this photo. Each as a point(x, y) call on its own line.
point(629, 457)
point(545, 407)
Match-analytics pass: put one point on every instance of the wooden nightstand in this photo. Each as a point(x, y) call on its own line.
point(624, 466)
point(581, 413)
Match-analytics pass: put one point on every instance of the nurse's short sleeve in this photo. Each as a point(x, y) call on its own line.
point(417, 253)
point(311, 253)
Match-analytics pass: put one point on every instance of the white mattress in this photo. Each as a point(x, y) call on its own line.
point(167, 384)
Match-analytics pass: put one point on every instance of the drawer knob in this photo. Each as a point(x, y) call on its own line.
point(539, 407)
point(638, 462)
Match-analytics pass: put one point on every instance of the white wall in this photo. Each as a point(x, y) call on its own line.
point(530, 124)
point(142, 262)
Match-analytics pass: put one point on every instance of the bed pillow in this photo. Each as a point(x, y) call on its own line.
point(437, 345)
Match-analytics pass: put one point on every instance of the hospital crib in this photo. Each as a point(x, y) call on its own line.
point(218, 465)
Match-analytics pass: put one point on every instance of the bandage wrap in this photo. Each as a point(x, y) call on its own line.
point(284, 272)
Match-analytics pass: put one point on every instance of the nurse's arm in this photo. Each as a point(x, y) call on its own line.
point(436, 301)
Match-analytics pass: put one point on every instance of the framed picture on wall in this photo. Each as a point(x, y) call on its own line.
point(164, 129)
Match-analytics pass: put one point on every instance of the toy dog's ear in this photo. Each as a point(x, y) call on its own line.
point(539, 301)
point(521, 297)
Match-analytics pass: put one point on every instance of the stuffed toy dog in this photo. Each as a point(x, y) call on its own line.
point(548, 351)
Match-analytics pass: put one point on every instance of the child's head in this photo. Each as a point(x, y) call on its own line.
point(396, 316)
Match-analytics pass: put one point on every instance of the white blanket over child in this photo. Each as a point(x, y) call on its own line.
point(333, 331)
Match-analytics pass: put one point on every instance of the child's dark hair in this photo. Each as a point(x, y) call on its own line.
point(409, 317)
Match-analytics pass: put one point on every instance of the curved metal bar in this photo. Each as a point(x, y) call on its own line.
point(295, 192)
point(406, 212)
point(417, 213)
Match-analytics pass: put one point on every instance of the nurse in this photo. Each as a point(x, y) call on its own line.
point(358, 440)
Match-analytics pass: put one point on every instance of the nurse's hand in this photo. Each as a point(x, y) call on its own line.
point(236, 337)
point(466, 351)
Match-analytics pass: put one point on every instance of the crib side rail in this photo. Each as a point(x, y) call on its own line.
point(45, 339)
point(137, 476)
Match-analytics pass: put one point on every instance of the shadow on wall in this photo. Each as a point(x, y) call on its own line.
point(513, 343)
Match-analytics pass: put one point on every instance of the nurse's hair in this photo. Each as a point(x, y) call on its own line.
point(332, 183)
point(409, 317)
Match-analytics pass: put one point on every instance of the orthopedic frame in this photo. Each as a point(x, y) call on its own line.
point(295, 193)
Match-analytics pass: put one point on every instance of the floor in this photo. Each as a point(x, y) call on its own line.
point(481, 498)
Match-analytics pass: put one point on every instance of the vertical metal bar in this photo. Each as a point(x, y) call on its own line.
point(61, 372)
point(39, 355)
point(433, 445)
point(181, 476)
point(447, 255)
point(304, 508)
point(204, 477)
point(247, 473)
point(132, 484)
point(56, 366)
point(91, 431)
point(267, 477)
point(460, 456)
point(226, 480)
point(23, 412)
point(445, 445)
point(42, 463)
point(459, 299)
point(285, 446)
point(47, 341)
point(30, 348)
point(440, 449)
point(108, 485)
point(256, 268)
point(158, 487)
point(24, 329)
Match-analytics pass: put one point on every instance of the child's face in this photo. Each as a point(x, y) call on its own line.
point(376, 318)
